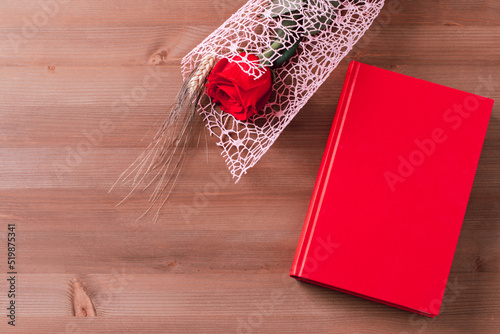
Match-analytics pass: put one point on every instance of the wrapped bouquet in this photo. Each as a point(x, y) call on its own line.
point(248, 79)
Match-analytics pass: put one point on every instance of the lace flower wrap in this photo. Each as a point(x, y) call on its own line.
point(327, 31)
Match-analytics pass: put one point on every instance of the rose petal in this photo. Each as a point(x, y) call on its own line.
point(237, 92)
point(261, 103)
point(221, 64)
point(212, 91)
point(232, 92)
point(235, 72)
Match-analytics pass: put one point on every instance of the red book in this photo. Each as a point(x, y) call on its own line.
point(391, 194)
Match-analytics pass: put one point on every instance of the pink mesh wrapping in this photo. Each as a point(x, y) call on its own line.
point(252, 28)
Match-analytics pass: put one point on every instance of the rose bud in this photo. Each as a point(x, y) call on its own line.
point(237, 92)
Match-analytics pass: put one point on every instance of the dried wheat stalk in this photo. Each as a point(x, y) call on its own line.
point(161, 163)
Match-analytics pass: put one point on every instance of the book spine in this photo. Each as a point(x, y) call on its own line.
point(324, 172)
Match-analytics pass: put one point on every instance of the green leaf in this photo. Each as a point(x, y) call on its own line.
point(291, 15)
point(321, 22)
point(284, 7)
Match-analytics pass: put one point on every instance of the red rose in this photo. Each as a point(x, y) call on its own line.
point(237, 92)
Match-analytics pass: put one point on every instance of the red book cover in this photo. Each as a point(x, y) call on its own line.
point(393, 186)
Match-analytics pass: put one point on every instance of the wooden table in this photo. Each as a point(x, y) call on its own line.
point(217, 259)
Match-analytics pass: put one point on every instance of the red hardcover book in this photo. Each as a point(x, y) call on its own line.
point(391, 194)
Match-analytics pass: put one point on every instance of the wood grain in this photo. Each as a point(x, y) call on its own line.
point(217, 259)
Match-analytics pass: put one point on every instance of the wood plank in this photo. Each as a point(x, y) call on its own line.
point(185, 245)
point(231, 303)
point(138, 45)
point(101, 41)
point(157, 13)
